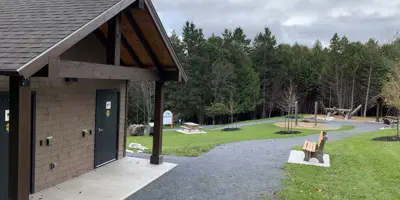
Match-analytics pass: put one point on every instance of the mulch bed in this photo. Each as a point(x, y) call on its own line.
point(387, 139)
point(288, 132)
point(230, 129)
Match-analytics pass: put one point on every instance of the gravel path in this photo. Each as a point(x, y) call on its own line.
point(266, 121)
point(241, 170)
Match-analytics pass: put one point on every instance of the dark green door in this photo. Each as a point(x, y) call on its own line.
point(3, 146)
point(106, 132)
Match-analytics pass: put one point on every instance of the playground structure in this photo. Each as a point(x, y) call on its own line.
point(347, 114)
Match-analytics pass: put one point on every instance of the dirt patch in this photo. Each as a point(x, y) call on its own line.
point(387, 139)
point(306, 125)
point(340, 118)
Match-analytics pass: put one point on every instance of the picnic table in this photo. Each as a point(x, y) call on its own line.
point(190, 126)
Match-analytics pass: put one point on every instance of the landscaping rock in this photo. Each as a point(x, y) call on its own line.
point(137, 146)
point(128, 151)
point(136, 130)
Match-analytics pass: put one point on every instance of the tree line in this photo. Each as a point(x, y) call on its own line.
point(234, 77)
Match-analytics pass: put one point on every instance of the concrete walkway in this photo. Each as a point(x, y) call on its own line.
point(115, 181)
point(241, 170)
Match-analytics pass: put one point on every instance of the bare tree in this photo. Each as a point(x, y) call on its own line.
point(391, 89)
point(368, 89)
point(232, 105)
point(288, 98)
point(374, 77)
point(141, 94)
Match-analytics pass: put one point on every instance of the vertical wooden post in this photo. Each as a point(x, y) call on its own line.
point(316, 113)
point(19, 138)
point(114, 41)
point(296, 112)
point(126, 116)
point(156, 157)
point(377, 110)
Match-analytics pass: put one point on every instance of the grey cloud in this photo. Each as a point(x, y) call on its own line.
point(363, 18)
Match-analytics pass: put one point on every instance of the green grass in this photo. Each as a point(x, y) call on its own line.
point(224, 125)
point(175, 143)
point(360, 169)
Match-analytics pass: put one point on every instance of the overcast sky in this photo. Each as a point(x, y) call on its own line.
point(303, 21)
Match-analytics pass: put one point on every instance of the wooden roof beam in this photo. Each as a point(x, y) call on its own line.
point(144, 42)
point(138, 4)
point(114, 40)
point(132, 53)
point(75, 69)
point(103, 40)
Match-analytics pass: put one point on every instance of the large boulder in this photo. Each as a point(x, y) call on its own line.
point(136, 130)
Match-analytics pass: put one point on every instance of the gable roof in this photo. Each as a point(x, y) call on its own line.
point(32, 32)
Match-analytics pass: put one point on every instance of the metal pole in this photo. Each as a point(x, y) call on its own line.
point(291, 125)
point(397, 124)
point(316, 112)
point(284, 129)
point(296, 107)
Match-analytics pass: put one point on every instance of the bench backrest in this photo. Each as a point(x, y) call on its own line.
point(321, 141)
point(321, 137)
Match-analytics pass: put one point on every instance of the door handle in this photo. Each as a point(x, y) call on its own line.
point(100, 130)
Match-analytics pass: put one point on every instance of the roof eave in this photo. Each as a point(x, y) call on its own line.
point(9, 73)
point(34, 65)
point(31, 67)
point(164, 35)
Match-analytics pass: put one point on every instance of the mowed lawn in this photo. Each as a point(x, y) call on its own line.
point(175, 143)
point(360, 169)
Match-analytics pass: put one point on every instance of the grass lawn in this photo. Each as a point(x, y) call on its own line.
point(360, 169)
point(168, 128)
point(175, 143)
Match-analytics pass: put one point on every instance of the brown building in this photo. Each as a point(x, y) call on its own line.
point(64, 68)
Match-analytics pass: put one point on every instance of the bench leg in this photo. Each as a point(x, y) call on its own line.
point(307, 156)
point(319, 157)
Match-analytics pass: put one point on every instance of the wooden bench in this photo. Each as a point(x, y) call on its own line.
point(315, 150)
